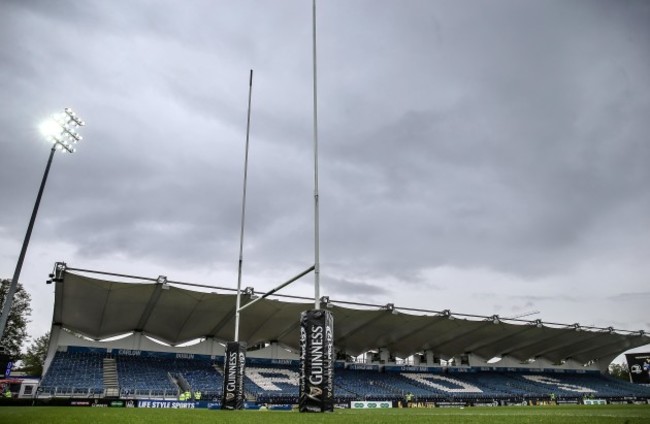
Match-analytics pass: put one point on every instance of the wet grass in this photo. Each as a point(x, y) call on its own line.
point(602, 414)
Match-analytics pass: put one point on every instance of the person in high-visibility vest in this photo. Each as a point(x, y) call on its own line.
point(197, 395)
point(409, 399)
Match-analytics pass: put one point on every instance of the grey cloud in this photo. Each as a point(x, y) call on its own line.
point(343, 288)
point(641, 296)
point(509, 137)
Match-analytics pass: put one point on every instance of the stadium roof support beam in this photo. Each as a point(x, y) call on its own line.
point(277, 311)
point(187, 319)
point(591, 348)
point(483, 343)
point(457, 338)
point(604, 351)
point(451, 334)
point(227, 317)
point(104, 307)
point(585, 355)
point(427, 326)
point(566, 337)
point(294, 326)
point(514, 350)
point(565, 346)
point(151, 304)
point(343, 337)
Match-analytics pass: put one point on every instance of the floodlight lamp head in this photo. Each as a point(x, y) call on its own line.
point(60, 130)
point(73, 117)
point(50, 128)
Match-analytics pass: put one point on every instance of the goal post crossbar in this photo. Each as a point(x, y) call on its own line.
point(280, 287)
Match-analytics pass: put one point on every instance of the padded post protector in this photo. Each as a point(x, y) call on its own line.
point(233, 376)
point(316, 361)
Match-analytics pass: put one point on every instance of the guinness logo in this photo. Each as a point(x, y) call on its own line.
point(230, 396)
point(315, 393)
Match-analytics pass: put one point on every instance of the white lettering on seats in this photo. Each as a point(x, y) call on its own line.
point(560, 385)
point(266, 377)
point(461, 387)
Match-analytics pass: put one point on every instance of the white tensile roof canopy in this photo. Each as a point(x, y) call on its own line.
point(101, 308)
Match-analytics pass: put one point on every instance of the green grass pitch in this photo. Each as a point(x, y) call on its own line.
point(602, 414)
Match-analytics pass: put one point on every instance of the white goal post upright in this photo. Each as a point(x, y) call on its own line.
point(316, 391)
point(316, 325)
point(243, 209)
point(235, 358)
point(316, 207)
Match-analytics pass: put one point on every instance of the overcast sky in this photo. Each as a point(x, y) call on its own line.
point(488, 157)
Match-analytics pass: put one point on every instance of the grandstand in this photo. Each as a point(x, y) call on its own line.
point(384, 352)
point(76, 372)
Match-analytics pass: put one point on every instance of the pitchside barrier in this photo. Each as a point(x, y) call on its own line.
point(173, 404)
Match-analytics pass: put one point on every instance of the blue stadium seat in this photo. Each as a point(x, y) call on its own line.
point(81, 374)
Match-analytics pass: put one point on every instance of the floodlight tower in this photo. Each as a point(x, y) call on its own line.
point(61, 131)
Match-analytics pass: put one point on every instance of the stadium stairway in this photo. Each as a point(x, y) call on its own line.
point(181, 382)
point(111, 386)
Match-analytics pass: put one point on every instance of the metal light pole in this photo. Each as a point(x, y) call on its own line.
point(61, 131)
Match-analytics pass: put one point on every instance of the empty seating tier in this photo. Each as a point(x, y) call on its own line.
point(165, 375)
